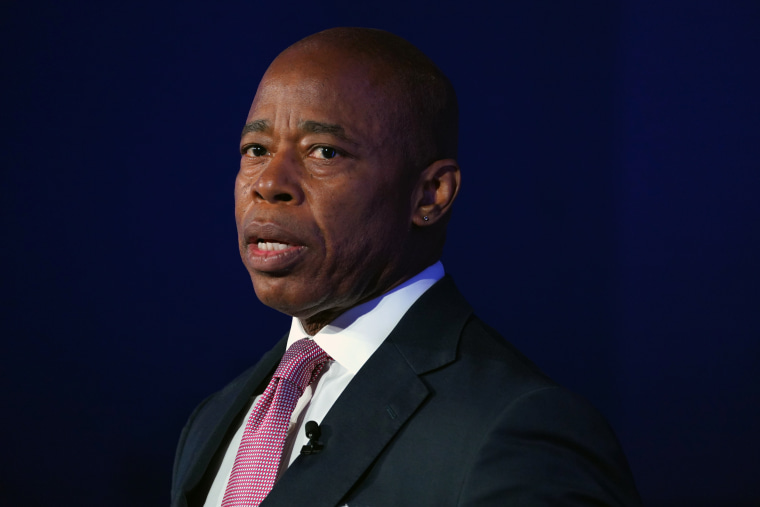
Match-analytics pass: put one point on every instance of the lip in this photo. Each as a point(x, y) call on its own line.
point(269, 261)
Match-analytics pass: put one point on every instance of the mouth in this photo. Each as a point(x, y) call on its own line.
point(271, 249)
point(271, 246)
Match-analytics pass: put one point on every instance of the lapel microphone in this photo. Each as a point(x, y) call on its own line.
point(313, 433)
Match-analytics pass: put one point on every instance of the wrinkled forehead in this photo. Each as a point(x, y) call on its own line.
point(327, 83)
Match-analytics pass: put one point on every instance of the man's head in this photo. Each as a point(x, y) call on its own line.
point(347, 172)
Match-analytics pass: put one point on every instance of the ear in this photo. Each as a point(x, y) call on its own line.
point(437, 187)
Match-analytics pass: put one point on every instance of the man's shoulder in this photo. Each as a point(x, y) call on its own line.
point(443, 321)
point(483, 346)
point(488, 373)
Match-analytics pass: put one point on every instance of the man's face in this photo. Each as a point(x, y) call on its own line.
point(323, 201)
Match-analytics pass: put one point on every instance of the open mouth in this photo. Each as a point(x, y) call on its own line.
point(273, 256)
point(270, 245)
point(272, 249)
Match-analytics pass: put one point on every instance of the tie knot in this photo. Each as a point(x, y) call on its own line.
point(301, 363)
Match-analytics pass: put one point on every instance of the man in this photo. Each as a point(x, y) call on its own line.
point(347, 176)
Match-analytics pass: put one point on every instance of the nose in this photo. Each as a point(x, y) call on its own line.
point(279, 181)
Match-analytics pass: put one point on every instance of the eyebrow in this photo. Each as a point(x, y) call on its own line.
point(255, 126)
point(308, 126)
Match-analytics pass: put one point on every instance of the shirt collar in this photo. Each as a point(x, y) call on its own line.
point(356, 334)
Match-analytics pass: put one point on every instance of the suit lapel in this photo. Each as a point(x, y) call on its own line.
point(363, 420)
point(376, 404)
point(209, 430)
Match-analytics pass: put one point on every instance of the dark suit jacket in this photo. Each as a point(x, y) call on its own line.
point(445, 412)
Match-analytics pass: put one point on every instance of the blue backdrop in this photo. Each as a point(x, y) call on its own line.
point(609, 223)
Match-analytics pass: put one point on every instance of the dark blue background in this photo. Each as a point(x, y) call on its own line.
point(609, 223)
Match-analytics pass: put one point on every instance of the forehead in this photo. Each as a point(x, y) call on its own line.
point(326, 86)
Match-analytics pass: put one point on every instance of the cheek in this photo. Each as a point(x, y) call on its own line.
point(360, 223)
point(242, 196)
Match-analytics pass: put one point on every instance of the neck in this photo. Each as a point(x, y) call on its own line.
point(315, 323)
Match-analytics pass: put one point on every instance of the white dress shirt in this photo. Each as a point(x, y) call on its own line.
point(349, 340)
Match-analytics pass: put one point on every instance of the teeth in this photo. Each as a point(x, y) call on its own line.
point(272, 247)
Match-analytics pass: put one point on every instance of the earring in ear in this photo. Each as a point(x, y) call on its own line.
point(425, 218)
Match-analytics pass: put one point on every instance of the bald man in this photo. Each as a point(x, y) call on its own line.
point(347, 177)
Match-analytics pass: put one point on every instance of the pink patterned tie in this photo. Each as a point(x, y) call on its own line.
point(258, 459)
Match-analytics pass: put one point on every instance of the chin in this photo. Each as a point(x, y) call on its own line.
point(283, 295)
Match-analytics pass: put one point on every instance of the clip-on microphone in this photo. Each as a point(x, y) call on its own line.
point(313, 432)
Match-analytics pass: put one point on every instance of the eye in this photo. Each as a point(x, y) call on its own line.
point(324, 152)
point(254, 150)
